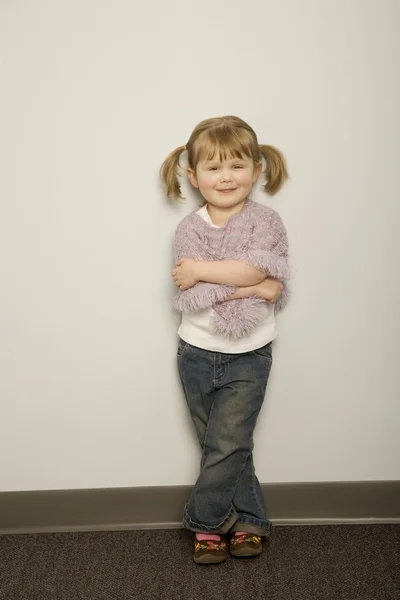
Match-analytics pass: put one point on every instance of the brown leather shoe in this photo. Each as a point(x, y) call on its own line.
point(245, 544)
point(207, 552)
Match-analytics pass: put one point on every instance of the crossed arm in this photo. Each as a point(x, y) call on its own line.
point(249, 280)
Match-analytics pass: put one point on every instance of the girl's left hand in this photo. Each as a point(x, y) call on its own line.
point(185, 275)
point(270, 289)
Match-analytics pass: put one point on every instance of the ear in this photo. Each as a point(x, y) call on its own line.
point(192, 178)
point(257, 171)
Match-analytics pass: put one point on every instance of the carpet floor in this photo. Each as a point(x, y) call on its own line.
point(354, 562)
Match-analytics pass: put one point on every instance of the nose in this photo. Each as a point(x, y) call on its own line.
point(226, 175)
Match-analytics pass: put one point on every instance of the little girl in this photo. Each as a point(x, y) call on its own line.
point(231, 270)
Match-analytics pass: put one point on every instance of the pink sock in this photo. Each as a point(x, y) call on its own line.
point(206, 536)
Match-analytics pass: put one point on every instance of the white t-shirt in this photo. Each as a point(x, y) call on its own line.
point(196, 327)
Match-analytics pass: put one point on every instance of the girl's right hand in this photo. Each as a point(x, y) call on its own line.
point(270, 289)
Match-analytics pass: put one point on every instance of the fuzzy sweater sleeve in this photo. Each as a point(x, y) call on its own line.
point(269, 251)
point(202, 295)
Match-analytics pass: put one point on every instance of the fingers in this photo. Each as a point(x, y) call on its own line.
point(177, 281)
point(175, 274)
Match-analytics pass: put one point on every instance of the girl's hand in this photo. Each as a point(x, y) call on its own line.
point(270, 289)
point(185, 275)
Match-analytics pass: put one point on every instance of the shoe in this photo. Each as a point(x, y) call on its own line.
point(207, 552)
point(245, 544)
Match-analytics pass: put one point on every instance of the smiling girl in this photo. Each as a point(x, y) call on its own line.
point(231, 270)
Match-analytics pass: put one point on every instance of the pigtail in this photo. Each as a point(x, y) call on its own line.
point(276, 171)
point(169, 173)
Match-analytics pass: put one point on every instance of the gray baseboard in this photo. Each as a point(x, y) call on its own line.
point(161, 507)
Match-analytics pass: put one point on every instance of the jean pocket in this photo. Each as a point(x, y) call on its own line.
point(182, 346)
point(264, 352)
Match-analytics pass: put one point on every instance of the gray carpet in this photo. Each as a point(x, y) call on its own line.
point(300, 563)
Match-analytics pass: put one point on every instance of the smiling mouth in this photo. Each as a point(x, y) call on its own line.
point(227, 191)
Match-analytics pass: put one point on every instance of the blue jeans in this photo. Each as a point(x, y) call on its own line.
point(225, 393)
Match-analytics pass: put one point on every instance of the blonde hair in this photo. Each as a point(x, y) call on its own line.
point(226, 137)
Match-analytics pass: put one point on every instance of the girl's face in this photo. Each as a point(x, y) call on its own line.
point(225, 184)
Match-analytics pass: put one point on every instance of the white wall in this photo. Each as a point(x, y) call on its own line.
point(94, 96)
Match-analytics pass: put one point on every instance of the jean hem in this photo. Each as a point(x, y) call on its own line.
point(226, 524)
point(254, 526)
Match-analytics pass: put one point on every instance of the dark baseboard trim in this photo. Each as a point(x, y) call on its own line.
point(114, 509)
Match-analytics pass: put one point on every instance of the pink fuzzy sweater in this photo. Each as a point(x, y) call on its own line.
point(255, 235)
